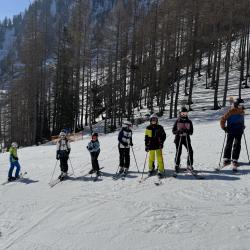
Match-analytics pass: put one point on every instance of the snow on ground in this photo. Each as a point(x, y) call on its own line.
point(183, 213)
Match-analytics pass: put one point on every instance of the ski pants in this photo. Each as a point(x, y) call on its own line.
point(12, 166)
point(183, 140)
point(158, 153)
point(94, 160)
point(233, 142)
point(124, 157)
point(64, 164)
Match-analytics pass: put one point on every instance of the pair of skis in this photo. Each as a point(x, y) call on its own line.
point(191, 172)
point(21, 176)
point(157, 182)
point(118, 175)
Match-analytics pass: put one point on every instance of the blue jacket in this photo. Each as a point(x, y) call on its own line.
point(235, 121)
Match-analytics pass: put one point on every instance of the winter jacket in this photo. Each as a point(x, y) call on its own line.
point(63, 148)
point(183, 125)
point(235, 121)
point(93, 146)
point(125, 138)
point(154, 137)
point(13, 154)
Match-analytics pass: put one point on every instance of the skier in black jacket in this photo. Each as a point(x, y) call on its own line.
point(182, 129)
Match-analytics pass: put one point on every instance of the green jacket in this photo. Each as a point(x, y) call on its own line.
point(13, 154)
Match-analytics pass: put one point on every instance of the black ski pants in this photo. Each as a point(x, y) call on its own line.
point(64, 164)
point(94, 161)
point(183, 140)
point(124, 157)
point(233, 142)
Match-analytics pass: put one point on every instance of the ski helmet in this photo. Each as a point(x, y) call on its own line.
point(95, 134)
point(154, 117)
point(14, 145)
point(62, 134)
point(183, 109)
point(127, 124)
point(238, 102)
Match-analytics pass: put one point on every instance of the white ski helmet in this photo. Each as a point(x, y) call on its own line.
point(62, 134)
point(154, 117)
point(14, 145)
point(126, 124)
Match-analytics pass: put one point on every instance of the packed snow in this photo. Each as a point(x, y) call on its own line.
point(182, 213)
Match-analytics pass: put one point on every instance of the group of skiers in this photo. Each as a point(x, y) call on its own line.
point(232, 123)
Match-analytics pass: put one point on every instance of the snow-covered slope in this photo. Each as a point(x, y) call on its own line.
point(183, 213)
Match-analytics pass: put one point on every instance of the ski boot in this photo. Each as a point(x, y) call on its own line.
point(226, 163)
point(150, 173)
point(121, 170)
point(11, 178)
point(190, 168)
point(235, 166)
point(91, 171)
point(177, 169)
point(160, 175)
point(62, 176)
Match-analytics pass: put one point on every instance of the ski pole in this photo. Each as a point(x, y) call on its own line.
point(222, 149)
point(135, 160)
point(246, 148)
point(189, 158)
point(72, 167)
point(144, 165)
point(53, 171)
point(178, 150)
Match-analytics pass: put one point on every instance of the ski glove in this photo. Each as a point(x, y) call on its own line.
point(125, 144)
point(146, 148)
point(57, 157)
point(68, 151)
point(131, 144)
point(15, 158)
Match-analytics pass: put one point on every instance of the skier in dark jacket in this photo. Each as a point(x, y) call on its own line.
point(183, 128)
point(62, 154)
point(232, 123)
point(94, 149)
point(124, 143)
point(155, 137)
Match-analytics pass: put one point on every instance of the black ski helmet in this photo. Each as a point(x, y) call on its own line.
point(238, 101)
point(183, 109)
point(95, 134)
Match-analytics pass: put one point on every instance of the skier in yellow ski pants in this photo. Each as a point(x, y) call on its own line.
point(154, 140)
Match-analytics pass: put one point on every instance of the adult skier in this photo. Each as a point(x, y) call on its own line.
point(14, 163)
point(62, 153)
point(182, 129)
point(232, 122)
point(155, 137)
point(124, 143)
point(94, 149)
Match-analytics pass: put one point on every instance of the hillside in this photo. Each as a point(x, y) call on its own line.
point(183, 213)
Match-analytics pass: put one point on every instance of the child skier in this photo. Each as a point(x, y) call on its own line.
point(234, 129)
point(155, 137)
point(182, 129)
point(125, 141)
point(13, 162)
point(94, 149)
point(62, 154)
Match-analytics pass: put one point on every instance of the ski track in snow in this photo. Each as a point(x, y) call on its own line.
point(182, 213)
